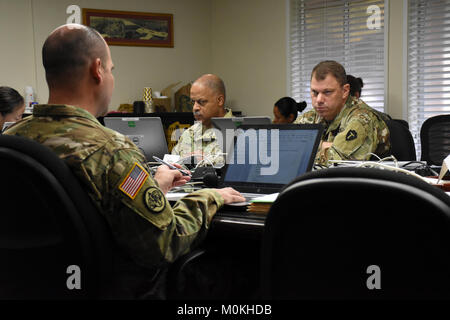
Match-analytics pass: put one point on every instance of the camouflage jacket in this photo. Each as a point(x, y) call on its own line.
point(145, 225)
point(199, 140)
point(356, 132)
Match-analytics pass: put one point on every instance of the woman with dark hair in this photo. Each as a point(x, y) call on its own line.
point(12, 106)
point(285, 110)
point(356, 85)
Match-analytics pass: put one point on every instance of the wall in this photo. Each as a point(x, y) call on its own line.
point(135, 67)
point(17, 64)
point(249, 52)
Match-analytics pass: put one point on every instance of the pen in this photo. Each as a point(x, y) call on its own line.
point(184, 173)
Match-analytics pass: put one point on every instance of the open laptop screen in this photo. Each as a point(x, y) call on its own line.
point(270, 156)
point(146, 133)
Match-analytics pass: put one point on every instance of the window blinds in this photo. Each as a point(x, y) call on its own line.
point(428, 62)
point(337, 30)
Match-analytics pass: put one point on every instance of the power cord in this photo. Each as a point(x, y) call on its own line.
point(381, 165)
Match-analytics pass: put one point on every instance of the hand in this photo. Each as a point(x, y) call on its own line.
point(168, 178)
point(230, 195)
point(326, 145)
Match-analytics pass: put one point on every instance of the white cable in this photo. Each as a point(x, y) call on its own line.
point(391, 168)
point(208, 159)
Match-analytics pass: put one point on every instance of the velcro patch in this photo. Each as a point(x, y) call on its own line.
point(351, 135)
point(154, 200)
point(134, 181)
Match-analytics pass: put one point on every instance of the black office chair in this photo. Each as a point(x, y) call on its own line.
point(48, 224)
point(403, 122)
point(435, 139)
point(329, 230)
point(402, 142)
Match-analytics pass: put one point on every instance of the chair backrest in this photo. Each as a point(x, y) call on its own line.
point(435, 139)
point(329, 231)
point(403, 122)
point(48, 224)
point(402, 142)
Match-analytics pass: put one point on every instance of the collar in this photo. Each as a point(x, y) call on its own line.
point(335, 123)
point(61, 110)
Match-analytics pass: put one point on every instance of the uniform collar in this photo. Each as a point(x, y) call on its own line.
point(333, 125)
point(61, 110)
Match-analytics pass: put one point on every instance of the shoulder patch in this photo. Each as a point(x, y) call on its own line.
point(134, 181)
point(154, 200)
point(351, 135)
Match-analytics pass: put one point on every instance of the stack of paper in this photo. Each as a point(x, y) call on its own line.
point(262, 204)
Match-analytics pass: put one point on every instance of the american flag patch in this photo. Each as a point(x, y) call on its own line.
point(134, 181)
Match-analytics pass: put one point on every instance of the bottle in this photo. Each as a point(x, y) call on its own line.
point(29, 99)
point(147, 97)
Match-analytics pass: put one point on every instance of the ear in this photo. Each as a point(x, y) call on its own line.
point(346, 89)
point(96, 70)
point(221, 100)
point(291, 118)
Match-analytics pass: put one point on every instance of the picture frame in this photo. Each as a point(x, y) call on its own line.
point(129, 28)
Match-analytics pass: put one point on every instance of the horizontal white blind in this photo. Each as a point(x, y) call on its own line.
point(337, 30)
point(428, 62)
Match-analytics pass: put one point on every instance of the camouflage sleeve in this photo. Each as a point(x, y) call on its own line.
point(306, 118)
point(144, 222)
point(355, 142)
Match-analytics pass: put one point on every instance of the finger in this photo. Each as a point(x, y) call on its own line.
point(179, 183)
point(234, 191)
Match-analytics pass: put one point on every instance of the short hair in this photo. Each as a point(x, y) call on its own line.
point(10, 99)
point(356, 84)
point(65, 55)
point(288, 106)
point(214, 83)
point(327, 67)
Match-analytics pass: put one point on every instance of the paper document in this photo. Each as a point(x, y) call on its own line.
point(175, 196)
point(266, 198)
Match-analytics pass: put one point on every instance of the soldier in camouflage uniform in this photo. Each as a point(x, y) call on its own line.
point(352, 130)
point(208, 95)
point(149, 231)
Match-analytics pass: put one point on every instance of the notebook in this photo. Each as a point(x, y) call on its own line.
point(231, 124)
point(265, 158)
point(145, 132)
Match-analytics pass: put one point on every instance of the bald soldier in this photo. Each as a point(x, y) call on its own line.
point(353, 131)
point(150, 232)
point(200, 141)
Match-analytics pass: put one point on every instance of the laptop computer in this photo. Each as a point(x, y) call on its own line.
point(227, 126)
point(146, 133)
point(265, 158)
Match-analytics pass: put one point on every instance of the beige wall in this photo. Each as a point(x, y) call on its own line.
point(135, 67)
point(249, 52)
point(244, 42)
point(17, 65)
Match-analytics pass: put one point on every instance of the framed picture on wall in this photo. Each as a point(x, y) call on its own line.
point(127, 28)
